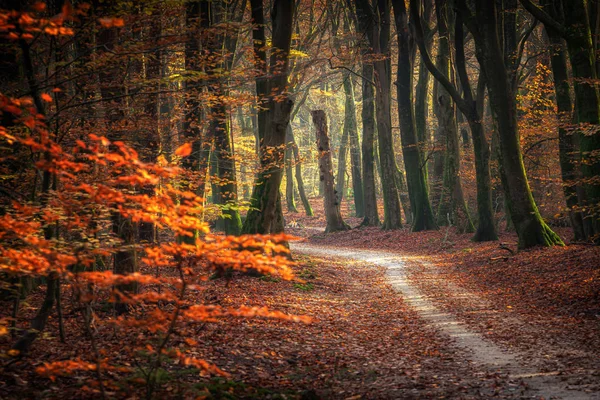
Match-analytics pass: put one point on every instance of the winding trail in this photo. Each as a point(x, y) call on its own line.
point(484, 354)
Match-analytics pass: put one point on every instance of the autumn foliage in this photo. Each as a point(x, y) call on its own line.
point(64, 235)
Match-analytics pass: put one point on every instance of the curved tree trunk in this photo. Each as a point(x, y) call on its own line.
point(472, 110)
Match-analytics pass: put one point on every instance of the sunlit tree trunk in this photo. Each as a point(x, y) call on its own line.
point(298, 174)
point(332, 205)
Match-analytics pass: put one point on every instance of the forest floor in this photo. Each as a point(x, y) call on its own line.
point(395, 315)
point(532, 315)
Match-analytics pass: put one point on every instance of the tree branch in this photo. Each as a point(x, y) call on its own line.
point(544, 17)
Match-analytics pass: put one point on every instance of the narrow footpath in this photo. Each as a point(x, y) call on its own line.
point(485, 355)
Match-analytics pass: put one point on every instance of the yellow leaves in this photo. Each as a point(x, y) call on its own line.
point(298, 54)
point(184, 150)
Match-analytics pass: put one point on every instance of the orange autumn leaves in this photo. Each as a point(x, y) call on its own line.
point(97, 178)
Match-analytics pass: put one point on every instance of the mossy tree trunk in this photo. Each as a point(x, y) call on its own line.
point(531, 228)
point(371, 217)
point(570, 19)
point(222, 46)
point(368, 28)
point(422, 87)
point(332, 205)
point(265, 214)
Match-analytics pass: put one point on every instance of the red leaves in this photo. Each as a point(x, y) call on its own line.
point(111, 22)
point(184, 150)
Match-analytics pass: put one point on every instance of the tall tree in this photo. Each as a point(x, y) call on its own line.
point(472, 108)
point(452, 205)
point(485, 27)
point(368, 28)
point(331, 200)
point(577, 32)
point(423, 218)
point(376, 26)
point(265, 215)
point(355, 159)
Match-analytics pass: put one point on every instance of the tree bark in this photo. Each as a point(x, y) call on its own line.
point(332, 206)
point(355, 161)
point(566, 144)
point(368, 159)
point(341, 167)
point(472, 109)
point(452, 206)
point(265, 215)
point(530, 227)
point(413, 161)
point(289, 176)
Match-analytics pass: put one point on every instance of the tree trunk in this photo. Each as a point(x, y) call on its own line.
point(566, 145)
point(383, 78)
point(413, 161)
point(351, 123)
point(368, 159)
point(341, 167)
point(289, 176)
point(530, 227)
point(587, 110)
point(472, 109)
point(332, 206)
point(422, 88)
point(452, 206)
point(266, 216)
point(299, 181)
point(222, 46)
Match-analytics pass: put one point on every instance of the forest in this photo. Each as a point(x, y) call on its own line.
point(300, 199)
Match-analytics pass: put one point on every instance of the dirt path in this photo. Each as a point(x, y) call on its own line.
point(484, 354)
